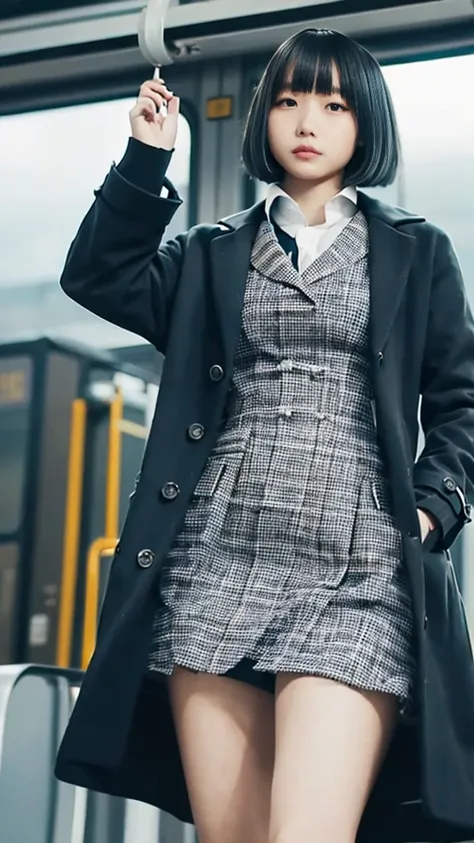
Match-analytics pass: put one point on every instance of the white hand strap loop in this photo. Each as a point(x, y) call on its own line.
point(151, 33)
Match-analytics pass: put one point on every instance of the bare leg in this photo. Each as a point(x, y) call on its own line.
point(330, 743)
point(225, 731)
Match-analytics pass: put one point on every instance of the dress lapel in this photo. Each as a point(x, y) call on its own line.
point(390, 256)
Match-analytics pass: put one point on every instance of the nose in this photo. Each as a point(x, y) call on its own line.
point(307, 121)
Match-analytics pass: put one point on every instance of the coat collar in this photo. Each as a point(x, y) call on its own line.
point(372, 208)
point(390, 257)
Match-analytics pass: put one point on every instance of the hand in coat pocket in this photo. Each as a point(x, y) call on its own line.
point(428, 524)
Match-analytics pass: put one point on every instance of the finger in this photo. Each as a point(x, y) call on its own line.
point(154, 98)
point(157, 88)
point(144, 105)
point(173, 106)
point(152, 82)
point(154, 85)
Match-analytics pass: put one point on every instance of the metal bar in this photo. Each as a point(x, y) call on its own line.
point(100, 547)
point(207, 186)
point(229, 201)
point(63, 806)
point(79, 818)
point(72, 528)
point(142, 822)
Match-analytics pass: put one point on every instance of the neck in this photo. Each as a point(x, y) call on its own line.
point(311, 196)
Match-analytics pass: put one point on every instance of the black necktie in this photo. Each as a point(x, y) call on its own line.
point(288, 244)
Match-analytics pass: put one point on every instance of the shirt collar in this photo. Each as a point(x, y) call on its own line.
point(285, 212)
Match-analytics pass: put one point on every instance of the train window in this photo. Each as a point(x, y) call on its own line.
point(432, 102)
point(50, 164)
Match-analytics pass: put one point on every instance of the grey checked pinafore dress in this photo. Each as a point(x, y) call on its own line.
point(289, 554)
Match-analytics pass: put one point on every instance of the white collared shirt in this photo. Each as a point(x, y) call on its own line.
point(312, 240)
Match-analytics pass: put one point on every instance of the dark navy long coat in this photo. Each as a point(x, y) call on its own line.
point(186, 298)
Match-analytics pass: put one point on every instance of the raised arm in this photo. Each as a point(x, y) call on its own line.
point(115, 266)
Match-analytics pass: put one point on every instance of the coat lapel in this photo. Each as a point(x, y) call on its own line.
point(230, 254)
point(390, 256)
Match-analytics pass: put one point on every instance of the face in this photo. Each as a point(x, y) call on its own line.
point(324, 124)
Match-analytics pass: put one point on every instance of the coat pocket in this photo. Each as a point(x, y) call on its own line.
point(376, 540)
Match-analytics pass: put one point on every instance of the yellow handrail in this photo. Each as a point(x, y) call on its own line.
point(100, 547)
point(103, 546)
point(72, 526)
point(112, 492)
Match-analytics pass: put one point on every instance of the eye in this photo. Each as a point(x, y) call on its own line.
point(335, 107)
point(286, 101)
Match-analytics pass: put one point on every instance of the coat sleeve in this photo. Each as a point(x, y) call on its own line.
point(115, 266)
point(444, 472)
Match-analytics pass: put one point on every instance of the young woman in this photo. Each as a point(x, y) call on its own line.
point(271, 575)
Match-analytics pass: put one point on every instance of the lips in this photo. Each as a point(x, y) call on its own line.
point(310, 150)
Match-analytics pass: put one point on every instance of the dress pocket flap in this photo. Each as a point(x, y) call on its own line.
point(231, 442)
point(209, 479)
point(228, 453)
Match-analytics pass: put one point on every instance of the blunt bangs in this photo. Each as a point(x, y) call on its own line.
point(305, 63)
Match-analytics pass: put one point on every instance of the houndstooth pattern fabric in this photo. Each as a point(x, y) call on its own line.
point(289, 554)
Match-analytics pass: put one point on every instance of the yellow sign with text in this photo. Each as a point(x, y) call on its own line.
point(218, 108)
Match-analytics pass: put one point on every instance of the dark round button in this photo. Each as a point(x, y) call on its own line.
point(449, 484)
point(145, 558)
point(216, 372)
point(195, 431)
point(170, 491)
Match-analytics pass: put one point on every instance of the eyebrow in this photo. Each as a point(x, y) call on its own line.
point(335, 90)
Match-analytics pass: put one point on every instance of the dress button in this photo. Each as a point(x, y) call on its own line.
point(195, 431)
point(170, 491)
point(449, 484)
point(380, 356)
point(216, 372)
point(145, 558)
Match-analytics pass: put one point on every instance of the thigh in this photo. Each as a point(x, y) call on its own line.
point(330, 742)
point(225, 730)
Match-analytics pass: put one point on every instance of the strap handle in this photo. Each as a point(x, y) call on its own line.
point(151, 34)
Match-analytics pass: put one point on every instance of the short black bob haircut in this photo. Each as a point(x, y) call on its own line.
point(306, 61)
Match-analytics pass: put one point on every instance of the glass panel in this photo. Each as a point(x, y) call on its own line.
point(50, 164)
point(15, 399)
point(433, 105)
